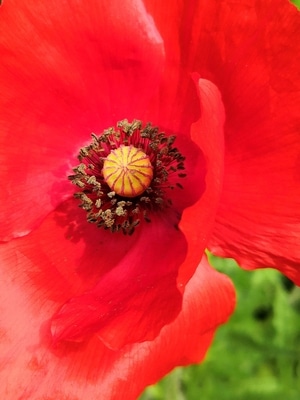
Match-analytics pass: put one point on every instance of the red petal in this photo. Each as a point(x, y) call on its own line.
point(124, 288)
point(253, 57)
point(198, 220)
point(258, 221)
point(208, 133)
point(67, 69)
point(177, 102)
point(31, 370)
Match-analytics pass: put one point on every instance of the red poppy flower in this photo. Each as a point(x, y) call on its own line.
point(80, 303)
point(88, 313)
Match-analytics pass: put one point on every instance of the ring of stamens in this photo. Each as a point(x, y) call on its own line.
point(125, 174)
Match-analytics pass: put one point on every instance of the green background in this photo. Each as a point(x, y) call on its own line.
point(256, 355)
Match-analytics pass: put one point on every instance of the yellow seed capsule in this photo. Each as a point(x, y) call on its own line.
point(127, 171)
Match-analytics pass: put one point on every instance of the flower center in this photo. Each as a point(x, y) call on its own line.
point(127, 173)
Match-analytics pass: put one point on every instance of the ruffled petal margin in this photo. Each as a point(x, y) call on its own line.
point(32, 368)
point(198, 221)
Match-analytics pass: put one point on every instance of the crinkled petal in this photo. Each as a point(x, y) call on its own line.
point(32, 368)
point(249, 49)
point(121, 287)
point(258, 221)
point(67, 69)
point(200, 104)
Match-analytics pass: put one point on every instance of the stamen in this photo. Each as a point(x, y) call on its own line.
point(126, 174)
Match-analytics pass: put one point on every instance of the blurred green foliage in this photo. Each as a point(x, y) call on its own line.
point(297, 2)
point(256, 355)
